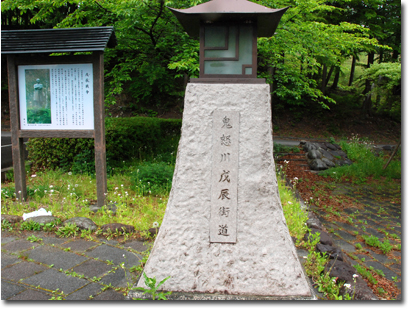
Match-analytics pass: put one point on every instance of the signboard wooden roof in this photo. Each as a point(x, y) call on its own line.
point(57, 40)
point(229, 10)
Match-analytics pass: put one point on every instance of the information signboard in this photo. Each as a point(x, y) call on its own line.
point(56, 97)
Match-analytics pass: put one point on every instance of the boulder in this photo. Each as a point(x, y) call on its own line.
point(332, 146)
point(325, 239)
point(11, 218)
point(338, 153)
point(345, 272)
point(43, 219)
point(313, 222)
point(317, 165)
point(333, 252)
point(326, 154)
point(314, 154)
point(83, 223)
point(122, 228)
point(328, 162)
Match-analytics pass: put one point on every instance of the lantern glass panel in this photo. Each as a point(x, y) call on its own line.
point(215, 36)
point(232, 65)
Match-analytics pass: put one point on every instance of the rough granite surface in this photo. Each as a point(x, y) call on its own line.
point(263, 262)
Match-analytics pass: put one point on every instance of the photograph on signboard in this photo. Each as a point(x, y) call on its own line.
point(56, 97)
point(38, 97)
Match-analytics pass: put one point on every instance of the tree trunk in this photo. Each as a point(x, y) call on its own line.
point(336, 78)
point(329, 75)
point(367, 105)
point(351, 76)
point(324, 78)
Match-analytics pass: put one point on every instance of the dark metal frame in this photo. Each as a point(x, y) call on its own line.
point(228, 77)
point(98, 134)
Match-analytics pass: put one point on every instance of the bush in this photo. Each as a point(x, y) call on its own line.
point(153, 178)
point(125, 138)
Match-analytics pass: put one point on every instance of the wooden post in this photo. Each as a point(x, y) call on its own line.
point(99, 127)
point(392, 155)
point(16, 141)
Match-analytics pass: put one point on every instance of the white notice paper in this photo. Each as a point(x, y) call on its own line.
point(56, 97)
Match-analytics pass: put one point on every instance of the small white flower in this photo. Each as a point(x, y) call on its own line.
point(116, 188)
point(122, 185)
point(289, 202)
point(32, 176)
point(347, 285)
point(19, 191)
point(355, 275)
point(70, 173)
point(51, 191)
point(295, 178)
point(76, 185)
point(305, 257)
point(334, 172)
point(51, 186)
point(155, 224)
point(123, 255)
point(286, 162)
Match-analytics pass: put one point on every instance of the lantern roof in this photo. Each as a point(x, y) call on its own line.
point(229, 10)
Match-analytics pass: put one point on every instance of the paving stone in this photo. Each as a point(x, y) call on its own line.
point(119, 278)
point(8, 259)
point(381, 258)
point(85, 292)
point(111, 242)
point(22, 270)
point(31, 295)
point(110, 294)
point(105, 252)
point(5, 240)
point(19, 245)
point(52, 280)
point(9, 289)
point(346, 236)
point(397, 268)
point(54, 240)
point(92, 268)
point(343, 245)
point(388, 273)
point(80, 245)
point(374, 232)
point(52, 255)
point(136, 245)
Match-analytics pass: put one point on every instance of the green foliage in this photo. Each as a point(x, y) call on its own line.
point(42, 115)
point(6, 226)
point(386, 79)
point(365, 164)
point(34, 238)
point(68, 230)
point(126, 138)
point(365, 273)
point(375, 242)
point(153, 178)
point(30, 226)
point(152, 288)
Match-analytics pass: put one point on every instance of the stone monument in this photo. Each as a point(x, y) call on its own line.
point(224, 234)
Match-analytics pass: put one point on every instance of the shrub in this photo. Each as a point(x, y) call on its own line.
point(126, 138)
point(153, 178)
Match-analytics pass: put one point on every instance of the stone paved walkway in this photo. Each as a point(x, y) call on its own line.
point(380, 217)
point(80, 269)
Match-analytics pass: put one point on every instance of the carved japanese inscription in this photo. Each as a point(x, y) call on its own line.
point(225, 164)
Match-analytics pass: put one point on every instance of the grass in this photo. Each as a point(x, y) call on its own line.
point(365, 163)
point(69, 195)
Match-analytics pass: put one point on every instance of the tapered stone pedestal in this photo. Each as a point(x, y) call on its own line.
point(260, 261)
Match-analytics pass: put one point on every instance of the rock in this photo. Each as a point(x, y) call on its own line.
point(314, 154)
point(82, 222)
point(110, 206)
point(122, 228)
point(342, 162)
point(338, 153)
point(153, 231)
point(317, 165)
point(327, 155)
point(325, 239)
point(308, 146)
point(313, 222)
point(328, 162)
point(331, 146)
point(43, 219)
point(387, 147)
point(333, 252)
point(302, 142)
point(345, 272)
point(11, 218)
